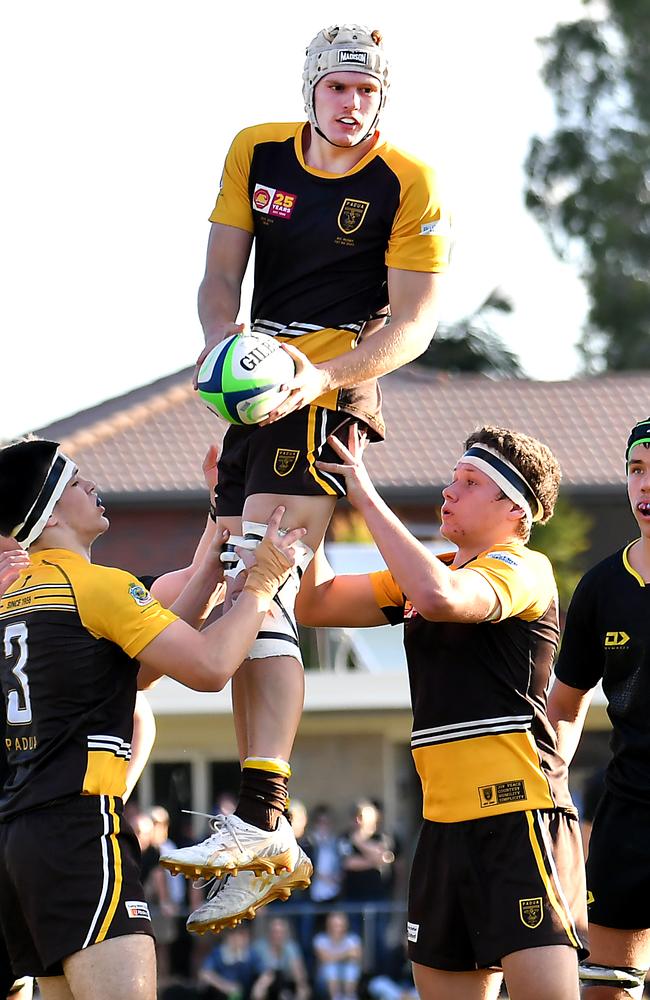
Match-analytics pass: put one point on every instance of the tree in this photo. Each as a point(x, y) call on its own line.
point(564, 540)
point(472, 344)
point(588, 183)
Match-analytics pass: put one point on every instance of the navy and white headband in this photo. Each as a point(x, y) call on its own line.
point(59, 474)
point(507, 477)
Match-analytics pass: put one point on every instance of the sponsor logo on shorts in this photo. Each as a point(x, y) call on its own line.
point(409, 611)
point(271, 201)
point(531, 912)
point(590, 897)
point(353, 56)
point(616, 640)
point(351, 215)
point(140, 595)
point(502, 793)
point(137, 909)
point(412, 931)
point(439, 227)
point(285, 461)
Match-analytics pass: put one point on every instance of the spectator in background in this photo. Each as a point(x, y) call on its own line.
point(397, 983)
point(156, 890)
point(230, 968)
point(282, 971)
point(338, 956)
point(368, 856)
point(326, 857)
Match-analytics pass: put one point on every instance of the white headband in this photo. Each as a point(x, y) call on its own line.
point(507, 477)
point(58, 476)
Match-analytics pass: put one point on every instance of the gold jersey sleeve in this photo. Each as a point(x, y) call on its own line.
point(421, 235)
point(233, 205)
point(521, 578)
point(114, 605)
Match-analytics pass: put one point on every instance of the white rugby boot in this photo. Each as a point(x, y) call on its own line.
point(236, 846)
point(237, 898)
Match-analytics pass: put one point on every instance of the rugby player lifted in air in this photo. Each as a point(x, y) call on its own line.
point(348, 230)
point(497, 881)
point(607, 637)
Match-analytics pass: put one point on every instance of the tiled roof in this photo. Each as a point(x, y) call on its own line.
point(153, 439)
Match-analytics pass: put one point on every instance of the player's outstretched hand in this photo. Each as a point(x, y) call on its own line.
point(224, 331)
point(358, 484)
point(308, 384)
point(284, 540)
point(267, 566)
point(12, 563)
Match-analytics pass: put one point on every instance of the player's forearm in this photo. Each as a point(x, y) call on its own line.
point(204, 589)
point(218, 301)
point(424, 579)
point(385, 351)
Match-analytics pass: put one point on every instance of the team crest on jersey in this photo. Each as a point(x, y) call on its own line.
point(351, 215)
point(271, 201)
point(140, 595)
point(285, 461)
point(531, 912)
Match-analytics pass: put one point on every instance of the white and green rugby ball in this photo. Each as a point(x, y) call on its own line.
point(240, 378)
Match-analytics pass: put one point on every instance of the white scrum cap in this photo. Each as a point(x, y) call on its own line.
point(349, 48)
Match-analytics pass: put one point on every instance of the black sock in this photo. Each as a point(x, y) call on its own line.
point(262, 797)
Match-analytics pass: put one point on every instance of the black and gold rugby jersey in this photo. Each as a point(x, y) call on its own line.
point(607, 636)
point(323, 242)
point(481, 741)
point(69, 632)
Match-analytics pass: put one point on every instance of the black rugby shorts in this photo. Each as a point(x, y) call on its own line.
point(485, 888)
point(280, 458)
point(618, 865)
point(69, 878)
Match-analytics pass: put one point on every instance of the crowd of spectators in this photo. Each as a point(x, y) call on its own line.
point(341, 939)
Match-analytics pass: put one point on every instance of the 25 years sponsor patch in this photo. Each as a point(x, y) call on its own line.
point(272, 201)
point(501, 793)
point(137, 909)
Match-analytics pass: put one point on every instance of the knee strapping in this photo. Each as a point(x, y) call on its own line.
point(279, 633)
point(630, 980)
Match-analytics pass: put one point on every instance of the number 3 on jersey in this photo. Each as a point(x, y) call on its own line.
point(19, 709)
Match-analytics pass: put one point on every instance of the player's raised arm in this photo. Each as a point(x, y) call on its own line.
point(220, 291)
point(206, 660)
point(345, 601)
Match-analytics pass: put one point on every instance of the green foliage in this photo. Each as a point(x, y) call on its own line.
point(564, 540)
point(589, 182)
point(472, 344)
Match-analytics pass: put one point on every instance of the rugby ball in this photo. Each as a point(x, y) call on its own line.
point(240, 378)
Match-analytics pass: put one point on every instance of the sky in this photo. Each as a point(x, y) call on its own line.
point(116, 122)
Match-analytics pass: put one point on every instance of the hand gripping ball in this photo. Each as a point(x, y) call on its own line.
point(240, 378)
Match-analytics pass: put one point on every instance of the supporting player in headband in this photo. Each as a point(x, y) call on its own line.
point(507, 477)
point(33, 475)
point(640, 434)
point(346, 48)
